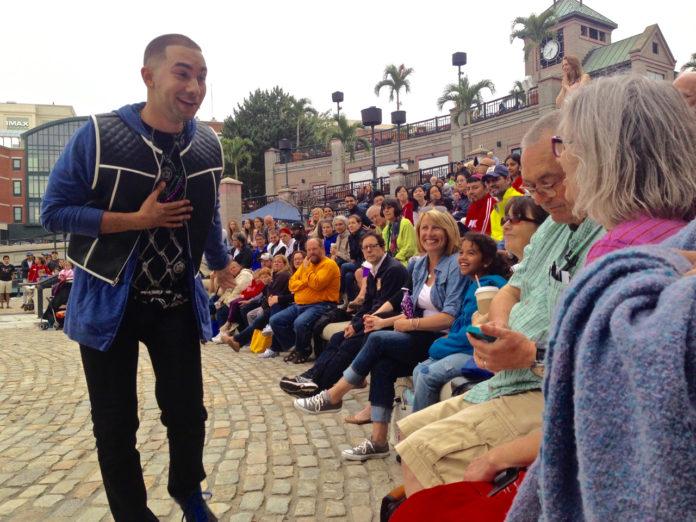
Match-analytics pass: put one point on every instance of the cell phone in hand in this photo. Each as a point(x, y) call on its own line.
point(504, 478)
point(476, 333)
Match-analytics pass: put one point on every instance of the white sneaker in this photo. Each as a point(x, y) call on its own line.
point(267, 331)
point(268, 354)
point(217, 339)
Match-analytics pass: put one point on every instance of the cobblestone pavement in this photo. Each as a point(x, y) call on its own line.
point(265, 460)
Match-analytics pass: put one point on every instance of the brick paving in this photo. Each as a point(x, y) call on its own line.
point(264, 459)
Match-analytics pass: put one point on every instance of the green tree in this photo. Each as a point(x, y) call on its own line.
point(533, 29)
point(465, 96)
point(264, 118)
point(395, 78)
point(237, 151)
point(299, 110)
point(518, 92)
point(346, 133)
point(691, 64)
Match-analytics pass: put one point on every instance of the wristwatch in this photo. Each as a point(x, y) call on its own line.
point(538, 365)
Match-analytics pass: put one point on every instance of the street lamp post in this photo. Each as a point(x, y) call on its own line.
point(398, 118)
point(337, 98)
point(370, 117)
point(285, 146)
point(459, 59)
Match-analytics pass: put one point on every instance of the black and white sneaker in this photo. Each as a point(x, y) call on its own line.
point(318, 403)
point(298, 386)
point(367, 449)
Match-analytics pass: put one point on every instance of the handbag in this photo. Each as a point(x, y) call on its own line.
point(259, 343)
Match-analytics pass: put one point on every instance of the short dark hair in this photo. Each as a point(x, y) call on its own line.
point(393, 203)
point(514, 157)
point(351, 195)
point(377, 193)
point(522, 205)
point(6, 256)
point(372, 233)
point(157, 48)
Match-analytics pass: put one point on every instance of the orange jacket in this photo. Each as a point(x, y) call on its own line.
point(316, 283)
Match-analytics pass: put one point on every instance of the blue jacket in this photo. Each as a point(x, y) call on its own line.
point(457, 341)
point(446, 292)
point(98, 307)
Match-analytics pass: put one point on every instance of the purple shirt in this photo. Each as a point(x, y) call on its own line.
point(641, 231)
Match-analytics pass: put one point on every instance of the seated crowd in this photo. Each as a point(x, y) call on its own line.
point(551, 233)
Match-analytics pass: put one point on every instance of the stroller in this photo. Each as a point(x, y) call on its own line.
point(54, 315)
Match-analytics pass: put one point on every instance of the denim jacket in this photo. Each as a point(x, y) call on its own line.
point(448, 289)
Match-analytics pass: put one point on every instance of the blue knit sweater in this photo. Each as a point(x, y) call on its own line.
point(619, 434)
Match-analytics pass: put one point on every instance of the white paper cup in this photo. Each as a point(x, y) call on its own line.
point(484, 296)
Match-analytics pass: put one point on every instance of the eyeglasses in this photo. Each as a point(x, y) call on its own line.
point(557, 146)
point(370, 247)
point(547, 190)
point(515, 220)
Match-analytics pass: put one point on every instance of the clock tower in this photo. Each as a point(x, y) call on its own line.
point(578, 30)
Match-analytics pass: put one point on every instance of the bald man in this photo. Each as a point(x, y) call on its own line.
point(686, 84)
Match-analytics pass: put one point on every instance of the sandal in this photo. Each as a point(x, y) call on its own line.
point(353, 419)
point(289, 357)
point(302, 357)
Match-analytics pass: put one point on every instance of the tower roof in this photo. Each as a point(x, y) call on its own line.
point(572, 8)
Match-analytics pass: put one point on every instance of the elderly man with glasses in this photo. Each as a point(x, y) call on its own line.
point(510, 404)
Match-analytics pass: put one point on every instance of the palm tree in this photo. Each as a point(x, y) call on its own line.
point(691, 64)
point(518, 92)
point(346, 133)
point(464, 95)
point(236, 152)
point(396, 79)
point(298, 111)
point(534, 29)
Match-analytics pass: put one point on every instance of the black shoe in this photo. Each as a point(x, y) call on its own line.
point(195, 508)
point(298, 386)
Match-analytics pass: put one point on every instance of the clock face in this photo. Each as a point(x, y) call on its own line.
point(550, 50)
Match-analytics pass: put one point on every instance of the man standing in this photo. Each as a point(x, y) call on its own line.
point(353, 208)
point(315, 285)
point(478, 217)
point(26, 266)
point(137, 191)
point(6, 277)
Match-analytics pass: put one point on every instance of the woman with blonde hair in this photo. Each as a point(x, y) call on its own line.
point(387, 355)
point(573, 77)
point(317, 214)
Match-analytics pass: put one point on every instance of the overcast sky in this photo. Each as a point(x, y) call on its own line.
point(87, 54)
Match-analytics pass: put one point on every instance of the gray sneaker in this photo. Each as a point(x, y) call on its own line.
point(298, 386)
point(367, 449)
point(318, 403)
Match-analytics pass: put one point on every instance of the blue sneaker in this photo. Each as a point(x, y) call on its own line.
point(195, 508)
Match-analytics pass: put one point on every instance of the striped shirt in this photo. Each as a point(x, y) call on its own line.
point(642, 231)
point(551, 246)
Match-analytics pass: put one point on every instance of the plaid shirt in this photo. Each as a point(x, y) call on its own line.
point(552, 245)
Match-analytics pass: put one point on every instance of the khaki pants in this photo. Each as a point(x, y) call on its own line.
point(444, 438)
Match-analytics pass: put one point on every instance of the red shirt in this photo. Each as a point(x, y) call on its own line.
point(407, 211)
point(37, 271)
point(478, 218)
point(517, 184)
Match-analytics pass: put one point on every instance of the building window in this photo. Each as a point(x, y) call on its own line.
point(656, 49)
point(602, 36)
point(17, 214)
point(16, 163)
point(583, 30)
point(655, 75)
point(16, 187)
point(34, 213)
point(516, 150)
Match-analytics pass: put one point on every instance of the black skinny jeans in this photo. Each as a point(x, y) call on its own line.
point(171, 337)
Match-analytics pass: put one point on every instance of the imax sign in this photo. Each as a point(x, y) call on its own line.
point(17, 123)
